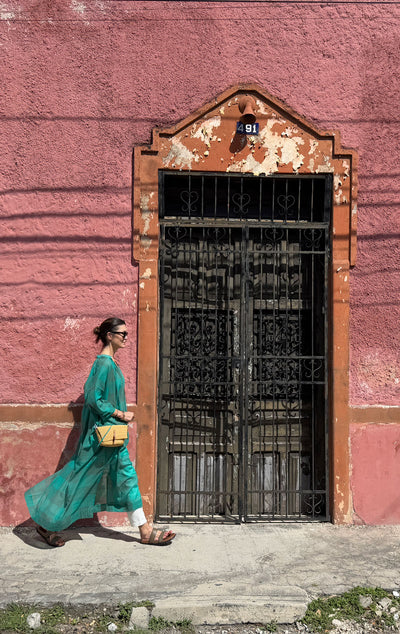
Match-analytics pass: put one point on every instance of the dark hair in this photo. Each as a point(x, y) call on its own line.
point(105, 327)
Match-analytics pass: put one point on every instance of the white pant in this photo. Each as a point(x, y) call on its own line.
point(137, 518)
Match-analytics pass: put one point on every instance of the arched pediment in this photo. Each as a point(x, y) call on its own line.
point(207, 141)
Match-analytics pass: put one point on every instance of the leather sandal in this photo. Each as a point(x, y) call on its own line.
point(158, 537)
point(53, 539)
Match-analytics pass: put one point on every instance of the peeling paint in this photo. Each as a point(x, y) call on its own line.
point(71, 324)
point(262, 108)
point(141, 284)
point(288, 146)
point(78, 7)
point(6, 13)
point(338, 197)
point(326, 167)
point(278, 150)
point(290, 132)
point(147, 216)
point(205, 131)
point(180, 155)
point(145, 242)
point(337, 181)
point(291, 154)
point(251, 165)
point(146, 275)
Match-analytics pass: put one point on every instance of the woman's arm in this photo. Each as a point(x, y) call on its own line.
point(95, 395)
point(95, 391)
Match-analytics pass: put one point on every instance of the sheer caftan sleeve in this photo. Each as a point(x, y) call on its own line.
point(102, 391)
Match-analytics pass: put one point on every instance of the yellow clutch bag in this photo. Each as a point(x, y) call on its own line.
point(112, 435)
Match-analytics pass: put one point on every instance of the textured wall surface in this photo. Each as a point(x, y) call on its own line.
point(31, 453)
point(84, 82)
point(376, 473)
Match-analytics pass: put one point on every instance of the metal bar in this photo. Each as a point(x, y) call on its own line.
point(300, 320)
point(261, 471)
point(285, 263)
point(243, 410)
point(202, 437)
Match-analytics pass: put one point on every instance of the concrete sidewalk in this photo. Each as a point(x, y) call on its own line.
point(210, 574)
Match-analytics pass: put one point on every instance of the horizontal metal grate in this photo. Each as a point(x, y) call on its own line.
point(243, 197)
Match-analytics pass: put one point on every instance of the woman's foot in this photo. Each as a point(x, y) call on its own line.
point(155, 536)
point(53, 539)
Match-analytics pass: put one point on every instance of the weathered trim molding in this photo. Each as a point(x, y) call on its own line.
point(288, 144)
point(375, 414)
point(66, 414)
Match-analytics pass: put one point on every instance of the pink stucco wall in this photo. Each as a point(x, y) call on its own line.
point(376, 473)
point(32, 455)
point(85, 82)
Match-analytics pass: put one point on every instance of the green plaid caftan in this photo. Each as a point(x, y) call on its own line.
point(96, 478)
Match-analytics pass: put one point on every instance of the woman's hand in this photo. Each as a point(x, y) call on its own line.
point(124, 416)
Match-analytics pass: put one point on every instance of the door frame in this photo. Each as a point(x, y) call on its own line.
point(288, 144)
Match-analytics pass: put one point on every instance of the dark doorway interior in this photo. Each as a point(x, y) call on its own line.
point(243, 378)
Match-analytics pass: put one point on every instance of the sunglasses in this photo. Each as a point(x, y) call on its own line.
point(123, 334)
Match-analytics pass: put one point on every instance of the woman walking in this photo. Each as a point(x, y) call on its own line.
point(97, 478)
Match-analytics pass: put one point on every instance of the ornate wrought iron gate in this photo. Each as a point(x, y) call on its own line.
point(243, 389)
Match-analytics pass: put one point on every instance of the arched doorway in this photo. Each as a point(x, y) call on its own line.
point(244, 249)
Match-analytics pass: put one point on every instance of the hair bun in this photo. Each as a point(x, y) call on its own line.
point(96, 331)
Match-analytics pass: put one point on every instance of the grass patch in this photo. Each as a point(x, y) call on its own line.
point(125, 609)
point(156, 624)
point(272, 626)
point(184, 626)
point(13, 618)
point(347, 606)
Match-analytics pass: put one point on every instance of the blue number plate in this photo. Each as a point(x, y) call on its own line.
point(247, 128)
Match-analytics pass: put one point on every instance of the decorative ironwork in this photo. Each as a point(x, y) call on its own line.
point(217, 240)
point(189, 199)
point(286, 202)
point(240, 203)
point(239, 196)
point(200, 340)
point(243, 347)
point(313, 239)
